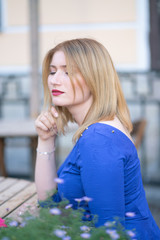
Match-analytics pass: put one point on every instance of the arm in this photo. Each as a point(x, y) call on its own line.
point(45, 170)
point(102, 176)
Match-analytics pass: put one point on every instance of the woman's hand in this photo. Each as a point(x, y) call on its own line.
point(46, 125)
point(45, 163)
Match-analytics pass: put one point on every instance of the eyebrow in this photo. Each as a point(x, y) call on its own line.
point(62, 66)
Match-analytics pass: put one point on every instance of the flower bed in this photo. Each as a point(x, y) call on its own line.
point(59, 222)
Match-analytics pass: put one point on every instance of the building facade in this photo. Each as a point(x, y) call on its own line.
point(122, 26)
point(130, 31)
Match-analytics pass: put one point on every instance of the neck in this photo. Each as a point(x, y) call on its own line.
point(79, 111)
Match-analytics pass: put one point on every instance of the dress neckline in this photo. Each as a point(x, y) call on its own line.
point(115, 128)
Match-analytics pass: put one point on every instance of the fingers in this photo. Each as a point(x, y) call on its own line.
point(41, 125)
point(54, 112)
point(46, 121)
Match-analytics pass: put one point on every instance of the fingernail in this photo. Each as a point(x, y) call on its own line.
point(56, 114)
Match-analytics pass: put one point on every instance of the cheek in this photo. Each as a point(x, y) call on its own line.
point(81, 86)
point(49, 81)
point(82, 90)
point(68, 87)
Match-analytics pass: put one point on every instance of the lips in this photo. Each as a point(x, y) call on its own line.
point(56, 92)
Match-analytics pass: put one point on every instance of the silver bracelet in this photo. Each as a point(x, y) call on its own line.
point(45, 153)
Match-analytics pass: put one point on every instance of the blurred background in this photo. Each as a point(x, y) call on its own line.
point(130, 30)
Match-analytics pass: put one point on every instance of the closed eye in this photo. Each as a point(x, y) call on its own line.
point(52, 73)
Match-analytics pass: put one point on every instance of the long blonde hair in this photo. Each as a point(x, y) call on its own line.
point(92, 60)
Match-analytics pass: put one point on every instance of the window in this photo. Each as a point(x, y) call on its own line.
point(0, 15)
point(155, 34)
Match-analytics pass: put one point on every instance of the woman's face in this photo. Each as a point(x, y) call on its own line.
point(61, 88)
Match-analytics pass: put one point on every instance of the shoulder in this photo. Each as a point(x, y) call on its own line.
point(95, 134)
point(98, 148)
point(107, 136)
point(118, 125)
point(103, 145)
point(103, 131)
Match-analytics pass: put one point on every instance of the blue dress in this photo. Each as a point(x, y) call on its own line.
point(105, 167)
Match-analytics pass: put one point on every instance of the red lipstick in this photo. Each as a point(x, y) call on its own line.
point(56, 92)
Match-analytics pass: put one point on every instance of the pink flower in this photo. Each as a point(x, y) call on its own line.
point(130, 214)
point(87, 199)
point(113, 234)
point(13, 224)
point(2, 223)
point(131, 234)
point(55, 211)
point(78, 199)
point(59, 233)
point(84, 228)
point(68, 206)
point(67, 238)
point(86, 235)
point(59, 180)
point(109, 224)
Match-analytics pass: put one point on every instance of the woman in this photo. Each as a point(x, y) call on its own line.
point(81, 82)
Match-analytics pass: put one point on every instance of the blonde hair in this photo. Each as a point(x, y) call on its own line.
point(92, 60)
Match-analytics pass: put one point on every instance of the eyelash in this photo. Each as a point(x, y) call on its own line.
point(52, 73)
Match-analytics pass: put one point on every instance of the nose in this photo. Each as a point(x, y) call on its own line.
point(56, 78)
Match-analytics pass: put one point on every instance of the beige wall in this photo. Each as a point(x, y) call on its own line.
point(87, 11)
point(118, 42)
point(14, 49)
point(17, 12)
point(73, 11)
point(114, 23)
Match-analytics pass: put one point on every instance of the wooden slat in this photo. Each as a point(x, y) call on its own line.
point(1, 179)
point(17, 200)
point(16, 215)
point(7, 182)
point(21, 128)
point(13, 190)
point(33, 200)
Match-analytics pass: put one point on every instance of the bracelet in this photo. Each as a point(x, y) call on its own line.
point(45, 153)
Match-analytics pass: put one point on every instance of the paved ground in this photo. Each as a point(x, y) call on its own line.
point(153, 198)
point(156, 214)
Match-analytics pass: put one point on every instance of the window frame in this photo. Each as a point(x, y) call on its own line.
point(155, 34)
point(0, 15)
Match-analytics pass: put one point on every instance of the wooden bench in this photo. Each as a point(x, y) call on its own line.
point(26, 128)
point(15, 196)
point(138, 132)
point(13, 129)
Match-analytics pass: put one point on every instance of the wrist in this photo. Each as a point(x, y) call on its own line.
point(45, 153)
point(46, 145)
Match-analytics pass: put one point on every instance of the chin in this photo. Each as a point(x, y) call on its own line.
point(58, 104)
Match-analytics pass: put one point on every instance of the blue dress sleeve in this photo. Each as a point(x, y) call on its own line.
point(102, 175)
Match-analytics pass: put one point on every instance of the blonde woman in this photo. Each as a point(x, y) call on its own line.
point(103, 168)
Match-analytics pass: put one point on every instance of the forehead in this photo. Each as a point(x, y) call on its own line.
point(58, 59)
